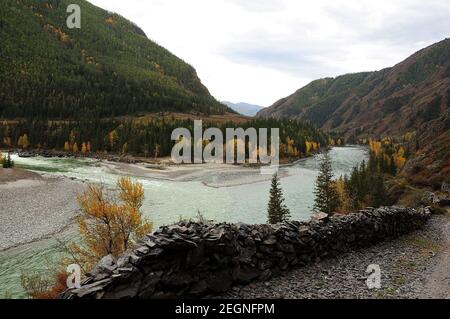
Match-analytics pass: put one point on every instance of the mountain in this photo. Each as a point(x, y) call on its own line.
point(429, 164)
point(408, 101)
point(391, 101)
point(107, 68)
point(244, 108)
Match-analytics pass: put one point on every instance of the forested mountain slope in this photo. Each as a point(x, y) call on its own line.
point(409, 102)
point(392, 101)
point(107, 68)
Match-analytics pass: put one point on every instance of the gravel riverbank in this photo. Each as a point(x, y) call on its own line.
point(31, 209)
point(13, 174)
point(414, 266)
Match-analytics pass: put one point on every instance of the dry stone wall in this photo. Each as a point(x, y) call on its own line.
point(193, 259)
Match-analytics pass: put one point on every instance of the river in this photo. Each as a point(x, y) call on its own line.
point(219, 192)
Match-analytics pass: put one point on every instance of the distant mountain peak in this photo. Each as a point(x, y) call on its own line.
point(244, 108)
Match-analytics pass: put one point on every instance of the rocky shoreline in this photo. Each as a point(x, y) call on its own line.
point(11, 175)
point(127, 159)
point(32, 209)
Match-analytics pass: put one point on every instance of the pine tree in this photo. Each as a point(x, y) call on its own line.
point(7, 162)
point(378, 190)
point(277, 211)
point(327, 198)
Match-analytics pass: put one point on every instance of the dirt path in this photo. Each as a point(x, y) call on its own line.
point(437, 285)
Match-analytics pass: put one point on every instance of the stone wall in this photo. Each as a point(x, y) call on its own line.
point(192, 259)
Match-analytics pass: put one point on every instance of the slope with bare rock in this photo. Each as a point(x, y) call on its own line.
point(411, 97)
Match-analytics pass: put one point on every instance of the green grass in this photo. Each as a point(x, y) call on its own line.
point(407, 264)
point(424, 243)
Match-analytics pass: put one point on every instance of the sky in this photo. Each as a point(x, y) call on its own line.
point(260, 51)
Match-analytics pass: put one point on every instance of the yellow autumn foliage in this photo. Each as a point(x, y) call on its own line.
point(375, 147)
point(291, 150)
point(308, 146)
point(344, 197)
point(84, 148)
point(311, 146)
point(106, 226)
point(23, 141)
point(331, 141)
point(75, 148)
point(399, 158)
point(113, 137)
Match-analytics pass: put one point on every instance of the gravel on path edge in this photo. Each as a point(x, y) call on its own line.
point(413, 266)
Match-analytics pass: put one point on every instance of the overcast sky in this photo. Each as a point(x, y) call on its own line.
point(260, 51)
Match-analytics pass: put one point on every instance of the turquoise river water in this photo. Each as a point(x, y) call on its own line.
point(230, 194)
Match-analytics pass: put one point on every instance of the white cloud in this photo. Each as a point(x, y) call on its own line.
point(258, 51)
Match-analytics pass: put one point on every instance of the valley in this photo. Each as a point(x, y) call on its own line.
point(87, 122)
point(218, 192)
